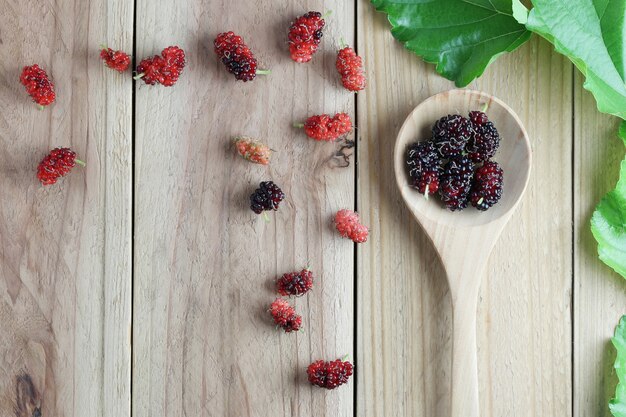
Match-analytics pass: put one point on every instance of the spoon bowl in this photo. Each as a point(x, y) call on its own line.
point(464, 240)
point(514, 155)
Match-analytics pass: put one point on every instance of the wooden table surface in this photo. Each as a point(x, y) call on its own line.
point(138, 285)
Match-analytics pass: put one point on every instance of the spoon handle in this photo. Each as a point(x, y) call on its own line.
point(464, 361)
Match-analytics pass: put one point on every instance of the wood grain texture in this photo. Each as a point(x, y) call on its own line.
point(65, 259)
point(205, 265)
point(600, 299)
point(203, 342)
point(404, 308)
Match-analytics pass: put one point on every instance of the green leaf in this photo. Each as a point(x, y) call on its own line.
point(591, 34)
point(618, 404)
point(461, 36)
point(608, 223)
point(520, 12)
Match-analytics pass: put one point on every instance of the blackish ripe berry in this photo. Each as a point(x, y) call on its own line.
point(478, 118)
point(424, 165)
point(451, 134)
point(484, 142)
point(295, 283)
point(456, 182)
point(487, 188)
point(267, 197)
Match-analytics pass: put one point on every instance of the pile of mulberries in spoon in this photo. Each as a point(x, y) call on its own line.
point(456, 163)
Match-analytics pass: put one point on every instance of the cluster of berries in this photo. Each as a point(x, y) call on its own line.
point(290, 284)
point(269, 196)
point(325, 374)
point(164, 69)
point(305, 34)
point(456, 162)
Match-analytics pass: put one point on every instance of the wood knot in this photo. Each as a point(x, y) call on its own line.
point(26, 397)
point(341, 157)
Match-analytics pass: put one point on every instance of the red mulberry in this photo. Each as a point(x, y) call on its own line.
point(285, 316)
point(327, 128)
point(350, 67)
point(58, 163)
point(38, 85)
point(236, 56)
point(330, 375)
point(116, 60)
point(164, 69)
point(305, 34)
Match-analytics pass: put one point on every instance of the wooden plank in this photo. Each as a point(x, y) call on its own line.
point(599, 292)
point(404, 311)
point(203, 343)
point(65, 258)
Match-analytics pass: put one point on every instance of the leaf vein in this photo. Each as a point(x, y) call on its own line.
point(521, 32)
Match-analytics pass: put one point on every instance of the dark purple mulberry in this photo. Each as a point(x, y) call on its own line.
point(478, 118)
point(295, 283)
point(428, 183)
point(424, 164)
point(484, 142)
point(451, 134)
point(266, 197)
point(487, 188)
point(456, 182)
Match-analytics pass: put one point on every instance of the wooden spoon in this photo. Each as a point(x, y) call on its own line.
point(465, 239)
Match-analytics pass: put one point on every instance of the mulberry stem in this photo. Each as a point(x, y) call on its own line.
point(79, 162)
point(298, 125)
point(263, 72)
point(139, 76)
